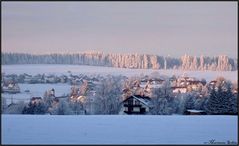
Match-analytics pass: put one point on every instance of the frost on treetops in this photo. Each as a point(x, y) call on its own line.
point(139, 61)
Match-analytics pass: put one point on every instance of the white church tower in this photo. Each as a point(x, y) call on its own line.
point(165, 63)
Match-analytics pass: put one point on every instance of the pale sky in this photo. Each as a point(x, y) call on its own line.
point(161, 28)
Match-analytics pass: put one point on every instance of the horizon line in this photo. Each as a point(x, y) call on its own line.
point(105, 52)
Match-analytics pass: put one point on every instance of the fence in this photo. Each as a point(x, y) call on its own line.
point(11, 100)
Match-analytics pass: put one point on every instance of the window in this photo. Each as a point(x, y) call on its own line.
point(136, 109)
point(130, 101)
point(137, 102)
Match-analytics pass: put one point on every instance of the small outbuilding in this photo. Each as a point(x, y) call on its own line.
point(195, 112)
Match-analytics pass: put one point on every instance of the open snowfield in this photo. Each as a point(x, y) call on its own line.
point(109, 129)
point(34, 69)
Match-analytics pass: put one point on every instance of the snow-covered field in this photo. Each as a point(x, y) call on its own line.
point(36, 90)
point(109, 129)
point(34, 69)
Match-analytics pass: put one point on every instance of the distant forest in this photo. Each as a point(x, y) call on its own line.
point(138, 61)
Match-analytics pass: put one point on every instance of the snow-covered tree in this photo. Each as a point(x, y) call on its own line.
point(4, 104)
point(162, 101)
point(145, 61)
point(35, 108)
point(108, 96)
point(14, 108)
point(61, 107)
point(189, 100)
point(222, 101)
point(180, 104)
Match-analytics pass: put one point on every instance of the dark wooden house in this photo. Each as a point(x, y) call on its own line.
point(136, 104)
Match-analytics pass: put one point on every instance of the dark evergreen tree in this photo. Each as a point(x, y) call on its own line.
point(40, 108)
point(221, 101)
point(34, 108)
point(189, 101)
point(231, 100)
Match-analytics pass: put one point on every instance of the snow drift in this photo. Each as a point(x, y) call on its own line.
point(44, 129)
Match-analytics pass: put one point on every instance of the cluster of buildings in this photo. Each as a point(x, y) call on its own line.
point(186, 84)
point(42, 78)
point(10, 87)
point(137, 96)
point(9, 83)
point(145, 86)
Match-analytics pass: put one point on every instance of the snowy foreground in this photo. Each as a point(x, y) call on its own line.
point(92, 129)
point(58, 69)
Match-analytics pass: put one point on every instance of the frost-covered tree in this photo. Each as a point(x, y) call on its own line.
point(14, 108)
point(154, 62)
point(190, 100)
point(61, 107)
point(160, 106)
point(180, 104)
point(145, 61)
point(47, 98)
point(4, 104)
point(201, 66)
point(166, 88)
point(35, 108)
point(108, 96)
point(162, 101)
point(222, 101)
point(194, 64)
point(64, 108)
point(84, 88)
point(199, 103)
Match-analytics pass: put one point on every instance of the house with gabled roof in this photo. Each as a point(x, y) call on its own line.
point(12, 88)
point(136, 104)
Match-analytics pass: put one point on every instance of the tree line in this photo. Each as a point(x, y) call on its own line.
point(137, 61)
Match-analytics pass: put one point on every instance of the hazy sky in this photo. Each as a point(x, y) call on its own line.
point(162, 28)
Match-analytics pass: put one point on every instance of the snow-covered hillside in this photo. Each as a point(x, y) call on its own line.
point(77, 69)
point(109, 129)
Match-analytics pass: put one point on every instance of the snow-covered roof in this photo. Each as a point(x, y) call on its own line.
point(195, 111)
point(175, 87)
point(141, 100)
